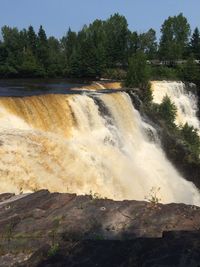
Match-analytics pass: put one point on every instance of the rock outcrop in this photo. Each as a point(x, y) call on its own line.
point(52, 229)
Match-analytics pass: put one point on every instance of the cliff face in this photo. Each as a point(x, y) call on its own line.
point(63, 228)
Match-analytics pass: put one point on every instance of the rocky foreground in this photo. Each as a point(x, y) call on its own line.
point(44, 229)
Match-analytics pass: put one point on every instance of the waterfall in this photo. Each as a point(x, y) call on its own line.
point(185, 101)
point(85, 143)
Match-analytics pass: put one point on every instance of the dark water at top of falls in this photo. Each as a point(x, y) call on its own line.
point(33, 87)
point(29, 87)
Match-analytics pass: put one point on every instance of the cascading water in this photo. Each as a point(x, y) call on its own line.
point(185, 101)
point(84, 143)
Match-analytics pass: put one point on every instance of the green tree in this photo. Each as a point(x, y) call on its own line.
point(75, 69)
point(3, 53)
point(56, 61)
point(148, 43)
point(190, 71)
point(102, 48)
point(190, 134)
point(133, 43)
point(116, 43)
point(138, 71)
point(191, 138)
point(167, 111)
point(174, 39)
point(14, 48)
point(43, 49)
point(68, 45)
point(96, 33)
point(32, 40)
point(29, 66)
point(195, 43)
point(88, 56)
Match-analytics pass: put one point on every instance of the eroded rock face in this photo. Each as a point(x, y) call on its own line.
point(29, 222)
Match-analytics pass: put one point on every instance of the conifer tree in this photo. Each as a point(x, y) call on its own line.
point(43, 50)
point(32, 40)
point(195, 43)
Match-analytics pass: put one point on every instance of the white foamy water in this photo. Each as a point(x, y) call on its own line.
point(185, 101)
point(85, 144)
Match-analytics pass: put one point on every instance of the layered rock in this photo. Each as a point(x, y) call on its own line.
point(79, 227)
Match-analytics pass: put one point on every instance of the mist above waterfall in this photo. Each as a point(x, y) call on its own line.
point(85, 143)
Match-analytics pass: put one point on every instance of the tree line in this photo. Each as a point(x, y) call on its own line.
point(101, 49)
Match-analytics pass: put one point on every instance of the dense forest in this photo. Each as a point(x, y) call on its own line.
point(102, 49)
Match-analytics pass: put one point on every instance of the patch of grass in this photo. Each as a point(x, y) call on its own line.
point(53, 250)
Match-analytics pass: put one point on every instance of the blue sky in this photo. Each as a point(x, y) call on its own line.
point(57, 15)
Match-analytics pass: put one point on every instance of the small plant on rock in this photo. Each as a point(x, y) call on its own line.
point(95, 195)
point(53, 250)
point(153, 197)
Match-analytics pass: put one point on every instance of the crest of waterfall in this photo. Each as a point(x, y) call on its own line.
point(185, 101)
point(85, 143)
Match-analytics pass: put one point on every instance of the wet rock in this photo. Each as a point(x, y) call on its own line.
point(6, 196)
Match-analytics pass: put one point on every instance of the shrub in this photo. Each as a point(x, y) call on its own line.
point(167, 111)
point(191, 138)
point(53, 251)
point(153, 197)
point(164, 73)
point(114, 74)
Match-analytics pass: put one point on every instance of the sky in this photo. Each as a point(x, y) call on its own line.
point(58, 15)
